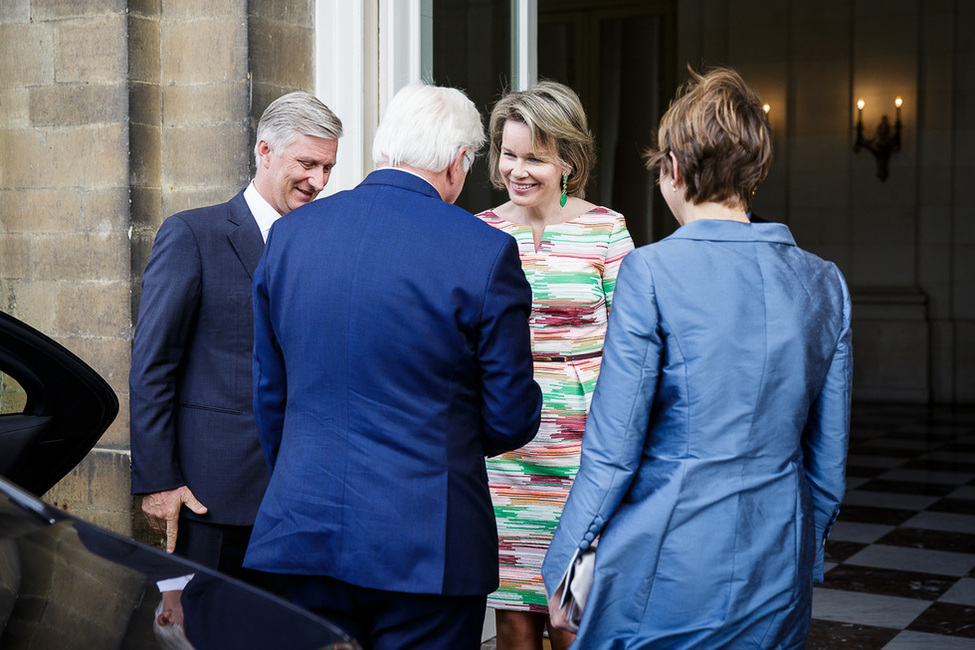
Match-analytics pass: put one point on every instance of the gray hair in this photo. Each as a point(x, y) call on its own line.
point(425, 127)
point(294, 113)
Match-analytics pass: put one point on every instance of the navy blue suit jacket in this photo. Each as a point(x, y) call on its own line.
point(391, 355)
point(190, 387)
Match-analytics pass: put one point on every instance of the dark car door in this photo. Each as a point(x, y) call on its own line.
point(53, 407)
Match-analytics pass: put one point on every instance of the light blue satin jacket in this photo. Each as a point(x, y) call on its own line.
point(714, 453)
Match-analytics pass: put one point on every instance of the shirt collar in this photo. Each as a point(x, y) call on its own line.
point(264, 214)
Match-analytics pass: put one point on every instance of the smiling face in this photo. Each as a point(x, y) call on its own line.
point(297, 174)
point(529, 179)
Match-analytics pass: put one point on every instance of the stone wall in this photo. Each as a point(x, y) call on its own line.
point(114, 115)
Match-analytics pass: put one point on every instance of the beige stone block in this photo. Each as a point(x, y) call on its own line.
point(92, 50)
point(14, 110)
point(145, 103)
point(94, 309)
point(97, 490)
point(187, 10)
point(105, 211)
point(80, 156)
point(15, 256)
point(213, 103)
point(143, 49)
point(145, 8)
point(26, 55)
point(32, 301)
point(145, 209)
point(206, 155)
point(110, 357)
point(69, 256)
point(145, 143)
point(203, 51)
point(66, 104)
point(59, 9)
point(14, 11)
point(295, 12)
point(282, 52)
point(185, 198)
point(38, 210)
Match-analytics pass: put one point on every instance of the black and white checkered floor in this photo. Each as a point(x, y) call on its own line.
point(900, 563)
point(901, 558)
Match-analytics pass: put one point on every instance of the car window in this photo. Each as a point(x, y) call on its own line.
point(13, 398)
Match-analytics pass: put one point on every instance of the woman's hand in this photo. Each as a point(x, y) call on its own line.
point(558, 616)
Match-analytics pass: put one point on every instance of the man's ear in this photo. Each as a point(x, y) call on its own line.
point(455, 171)
point(264, 152)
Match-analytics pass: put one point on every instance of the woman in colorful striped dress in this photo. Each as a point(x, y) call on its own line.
point(542, 153)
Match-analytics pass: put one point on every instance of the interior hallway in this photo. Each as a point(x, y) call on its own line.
point(900, 562)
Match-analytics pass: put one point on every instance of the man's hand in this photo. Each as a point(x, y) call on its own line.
point(162, 511)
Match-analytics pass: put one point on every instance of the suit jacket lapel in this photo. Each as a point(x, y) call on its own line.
point(245, 237)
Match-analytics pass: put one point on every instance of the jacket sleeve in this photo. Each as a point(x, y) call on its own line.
point(512, 401)
point(167, 315)
point(616, 427)
point(825, 437)
point(270, 377)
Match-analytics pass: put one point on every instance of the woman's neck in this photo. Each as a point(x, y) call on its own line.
point(710, 210)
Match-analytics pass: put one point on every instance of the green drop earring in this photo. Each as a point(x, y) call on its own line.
point(565, 188)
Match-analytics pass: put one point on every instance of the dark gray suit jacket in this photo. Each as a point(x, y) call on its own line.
point(190, 386)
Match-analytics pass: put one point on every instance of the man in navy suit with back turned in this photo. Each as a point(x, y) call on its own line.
point(196, 456)
point(391, 355)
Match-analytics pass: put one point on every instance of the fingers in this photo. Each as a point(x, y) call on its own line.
point(191, 502)
point(172, 527)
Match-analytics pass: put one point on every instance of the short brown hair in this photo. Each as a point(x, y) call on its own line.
point(719, 133)
point(555, 118)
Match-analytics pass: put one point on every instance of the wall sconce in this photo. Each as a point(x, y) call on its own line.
point(883, 143)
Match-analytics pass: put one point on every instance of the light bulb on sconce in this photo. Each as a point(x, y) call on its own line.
point(766, 108)
point(884, 143)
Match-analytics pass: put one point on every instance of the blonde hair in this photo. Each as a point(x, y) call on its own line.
point(555, 118)
point(719, 134)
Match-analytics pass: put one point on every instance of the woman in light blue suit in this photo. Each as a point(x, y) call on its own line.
point(713, 458)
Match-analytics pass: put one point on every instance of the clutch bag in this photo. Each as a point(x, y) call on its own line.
point(580, 584)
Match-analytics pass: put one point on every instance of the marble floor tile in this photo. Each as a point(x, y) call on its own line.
point(950, 456)
point(954, 506)
point(866, 609)
point(946, 618)
point(910, 640)
point(868, 460)
point(889, 500)
point(889, 582)
point(964, 492)
point(871, 515)
point(914, 559)
point(934, 540)
point(832, 635)
point(947, 521)
point(906, 487)
point(852, 531)
point(962, 593)
point(948, 466)
point(839, 551)
point(906, 444)
point(926, 476)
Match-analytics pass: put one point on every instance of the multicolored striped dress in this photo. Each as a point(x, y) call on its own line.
point(572, 276)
